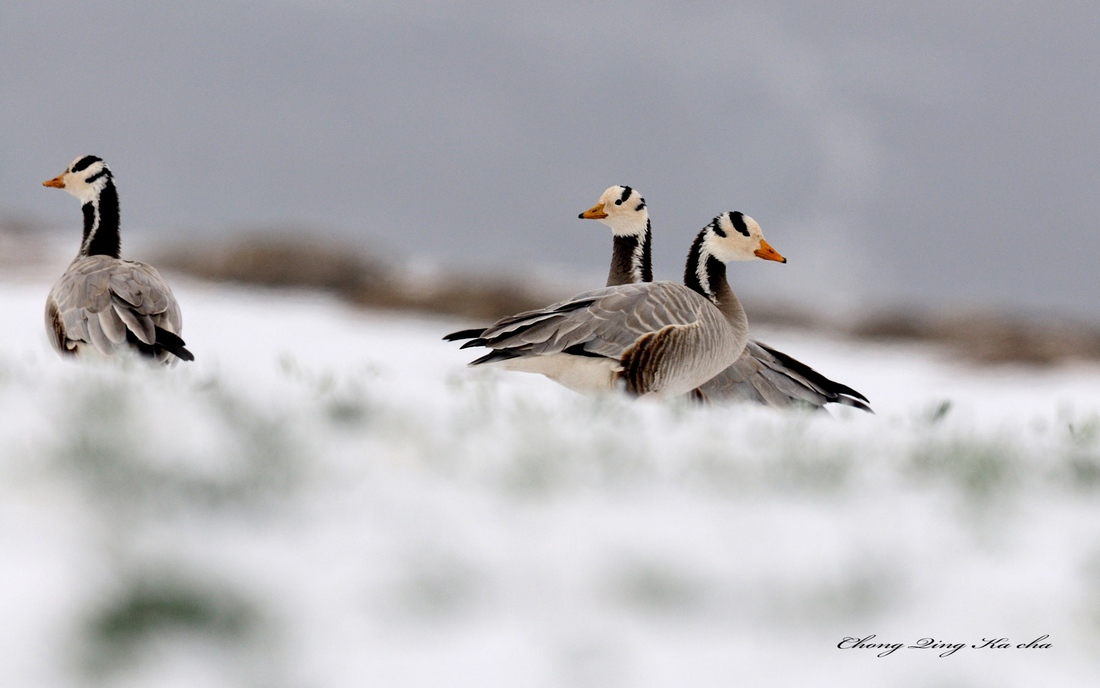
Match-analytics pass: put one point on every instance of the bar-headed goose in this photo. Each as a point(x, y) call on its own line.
point(102, 305)
point(761, 374)
point(623, 210)
point(658, 338)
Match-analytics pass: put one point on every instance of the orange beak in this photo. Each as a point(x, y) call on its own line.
point(594, 213)
point(56, 182)
point(768, 253)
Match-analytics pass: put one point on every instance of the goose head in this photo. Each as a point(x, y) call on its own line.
point(736, 236)
point(622, 209)
point(84, 178)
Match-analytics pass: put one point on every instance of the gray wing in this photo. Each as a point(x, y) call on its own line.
point(770, 377)
point(110, 305)
point(662, 332)
point(603, 322)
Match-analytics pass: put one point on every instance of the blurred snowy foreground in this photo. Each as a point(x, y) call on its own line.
point(329, 497)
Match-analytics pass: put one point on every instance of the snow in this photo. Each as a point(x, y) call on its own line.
point(329, 497)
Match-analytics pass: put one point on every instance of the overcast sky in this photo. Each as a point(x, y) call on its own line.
point(938, 153)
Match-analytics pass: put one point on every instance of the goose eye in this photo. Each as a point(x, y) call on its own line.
point(618, 202)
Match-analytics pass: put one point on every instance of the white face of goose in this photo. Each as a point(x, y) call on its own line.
point(622, 209)
point(84, 178)
point(736, 236)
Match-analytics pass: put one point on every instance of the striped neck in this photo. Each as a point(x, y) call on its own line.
point(631, 258)
point(706, 275)
point(101, 224)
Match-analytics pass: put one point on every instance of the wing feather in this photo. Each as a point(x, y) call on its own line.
point(95, 333)
point(769, 376)
point(112, 304)
point(112, 324)
point(140, 325)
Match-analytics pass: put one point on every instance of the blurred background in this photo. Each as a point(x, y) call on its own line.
point(327, 497)
point(941, 156)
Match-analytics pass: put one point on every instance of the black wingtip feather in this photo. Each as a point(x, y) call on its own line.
point(825, 383)
point(854, 403)
point(579, 350)
point(173, 344)
point(464, 334)
point(494, 356)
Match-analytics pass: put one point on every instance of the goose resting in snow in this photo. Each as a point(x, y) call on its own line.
point(102, 305)
point(649, 338)
point(761, 374)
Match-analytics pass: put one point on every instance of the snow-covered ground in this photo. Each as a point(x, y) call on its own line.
point(328, 497)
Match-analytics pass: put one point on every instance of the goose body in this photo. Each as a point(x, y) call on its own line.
point(103, 306)
point(659, 338)
point(649, 338)
point(761, 374)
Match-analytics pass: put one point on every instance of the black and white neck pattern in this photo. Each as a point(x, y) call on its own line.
point(631, 258)
point(704, 273)
point(101, 217)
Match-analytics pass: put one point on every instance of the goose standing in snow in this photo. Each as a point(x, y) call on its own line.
point(760, 374)
point(103, 305)
point(658, 338)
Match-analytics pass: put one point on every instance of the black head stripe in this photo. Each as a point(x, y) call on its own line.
point(737, 219)
point(716, 225)
point(102, 173)
point(640, 206)
point(85, 162)
point(626, 194)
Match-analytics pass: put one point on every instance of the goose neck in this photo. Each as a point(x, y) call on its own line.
point(101, 224)
point(631, 258)
point(706, 275)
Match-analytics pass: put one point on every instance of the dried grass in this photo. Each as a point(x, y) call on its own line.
point(357, 277)
point(369, 281)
